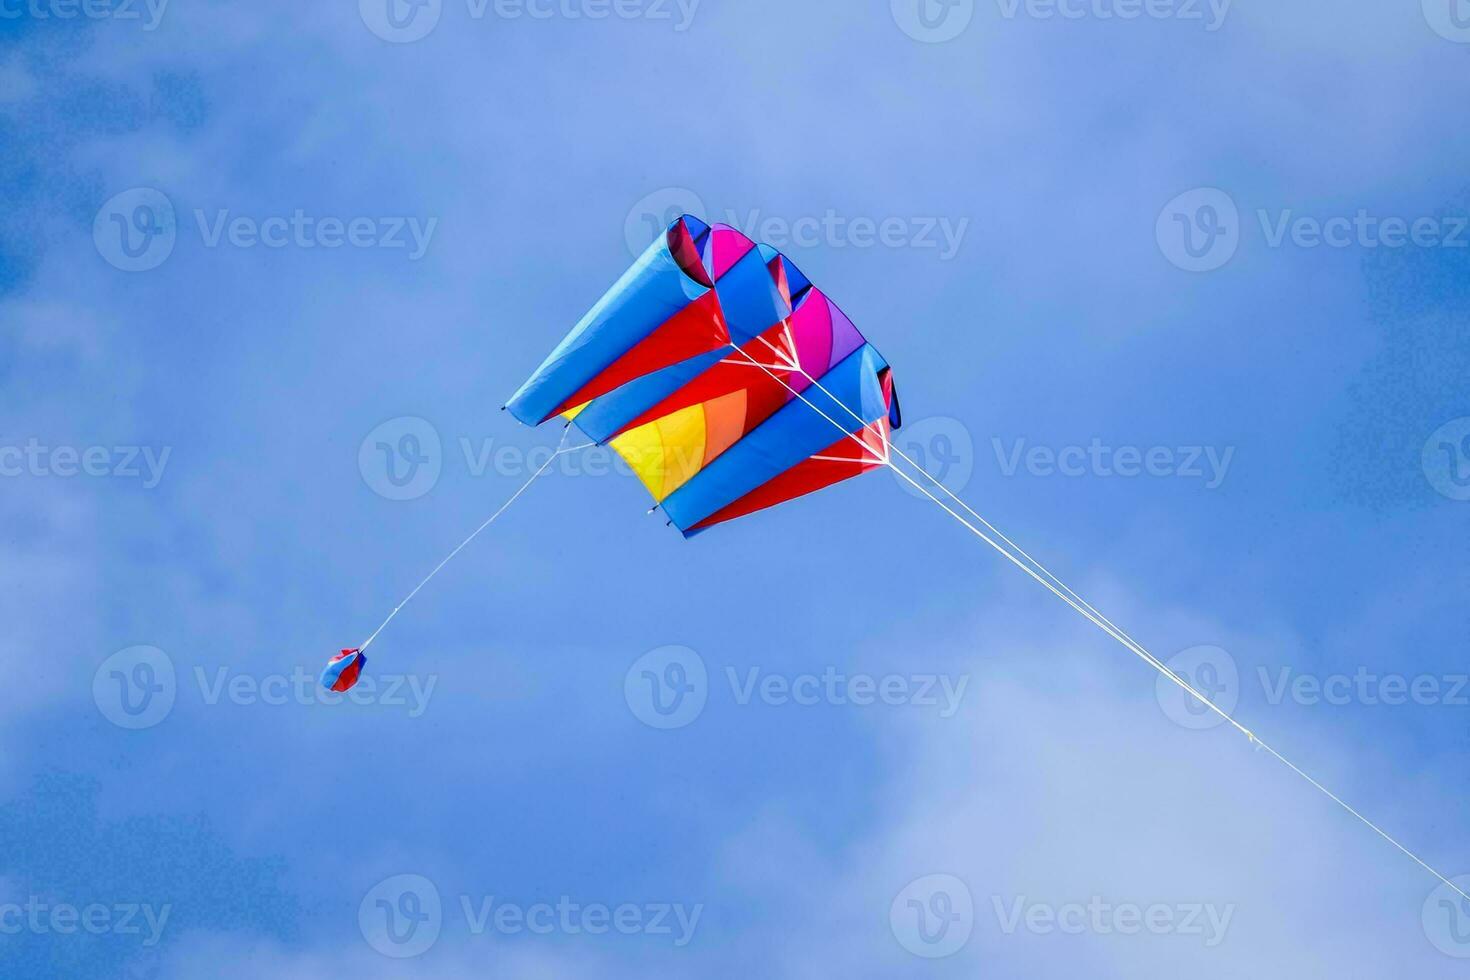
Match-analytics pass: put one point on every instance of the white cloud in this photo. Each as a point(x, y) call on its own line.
point(1062, 780)
point(228, 957)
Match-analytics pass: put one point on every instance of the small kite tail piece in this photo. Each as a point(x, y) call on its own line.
point(343, 671)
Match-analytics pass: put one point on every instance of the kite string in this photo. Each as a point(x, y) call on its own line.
point(1254, 740)
point(1076, 604)
point(1102, 622)
point(561, 450)
point(1087, 609)
point(1089, 613)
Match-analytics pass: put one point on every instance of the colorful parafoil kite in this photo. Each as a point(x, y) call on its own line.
point(730, 384)
point(717, 370)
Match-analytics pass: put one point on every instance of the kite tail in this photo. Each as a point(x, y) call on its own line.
point(344, 669)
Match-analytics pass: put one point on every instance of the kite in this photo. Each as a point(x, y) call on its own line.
point(343, 671)
point(693, 367)
point(730, 383)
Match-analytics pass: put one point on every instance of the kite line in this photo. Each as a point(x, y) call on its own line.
point(1062, 591)
point(561, 450)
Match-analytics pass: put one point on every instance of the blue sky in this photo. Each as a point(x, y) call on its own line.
point(1304, 403)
